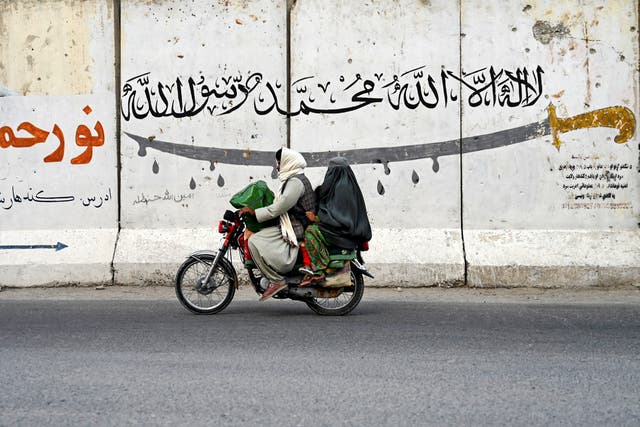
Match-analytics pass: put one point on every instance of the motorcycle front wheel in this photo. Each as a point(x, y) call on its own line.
point(205, 298)
point(343, 303)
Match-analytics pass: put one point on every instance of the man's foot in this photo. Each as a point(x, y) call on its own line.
point(306, 270)
point(311, 280)
point(273, 289)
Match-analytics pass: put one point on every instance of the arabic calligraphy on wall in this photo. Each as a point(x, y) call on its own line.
point(20, 197)
point(188, 97)
point(83, 138)
point(181, 199)
point(592, 182)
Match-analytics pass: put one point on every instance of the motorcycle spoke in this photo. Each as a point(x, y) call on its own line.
point(201, 296)
point(337, 302)
point(341, 304)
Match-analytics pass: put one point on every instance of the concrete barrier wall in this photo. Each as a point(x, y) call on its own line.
point(364, 80)
point(495, 143)
point(557, 202)
point(189, 87)
point(58, 139)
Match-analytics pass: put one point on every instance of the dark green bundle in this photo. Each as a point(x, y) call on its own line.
point(255, 195)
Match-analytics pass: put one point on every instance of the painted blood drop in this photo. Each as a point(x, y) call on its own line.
point(436, 165)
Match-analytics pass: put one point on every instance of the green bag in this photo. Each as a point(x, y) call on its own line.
point(255, 195)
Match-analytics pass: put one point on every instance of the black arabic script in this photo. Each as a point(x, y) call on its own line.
point(415, 88)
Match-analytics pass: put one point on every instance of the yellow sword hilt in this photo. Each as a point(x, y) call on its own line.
point(617, 117)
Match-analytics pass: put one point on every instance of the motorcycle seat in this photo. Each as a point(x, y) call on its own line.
point(338, 257)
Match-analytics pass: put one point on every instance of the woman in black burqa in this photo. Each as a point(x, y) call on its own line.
point(343, 214)
point(341, 220)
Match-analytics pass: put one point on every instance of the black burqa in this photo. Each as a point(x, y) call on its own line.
point(342, 213)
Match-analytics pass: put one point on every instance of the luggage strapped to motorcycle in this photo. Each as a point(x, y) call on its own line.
point(339, 257)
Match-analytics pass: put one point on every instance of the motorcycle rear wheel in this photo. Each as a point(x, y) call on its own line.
point(343, 303)
point(209, 298)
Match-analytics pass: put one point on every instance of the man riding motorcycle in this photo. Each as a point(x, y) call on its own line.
point(275, 249)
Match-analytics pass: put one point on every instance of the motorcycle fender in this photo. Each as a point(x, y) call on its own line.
point(361, 268)
point(197, 254)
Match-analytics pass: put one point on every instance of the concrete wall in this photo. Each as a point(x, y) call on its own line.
point(495, 142)
point(58, 139)
point(560, 211)
point(183, 109)
point(359, 49)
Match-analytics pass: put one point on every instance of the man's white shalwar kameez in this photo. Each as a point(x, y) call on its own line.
point(271, 253)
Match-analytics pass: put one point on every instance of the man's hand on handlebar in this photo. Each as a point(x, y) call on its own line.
point(247, 210)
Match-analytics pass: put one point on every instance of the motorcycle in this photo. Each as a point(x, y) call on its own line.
point(207, 280)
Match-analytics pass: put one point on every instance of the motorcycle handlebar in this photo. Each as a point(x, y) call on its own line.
point(231, 216)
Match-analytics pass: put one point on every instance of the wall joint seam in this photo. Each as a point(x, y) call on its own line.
point(464, 250)
point(289, 8)
point(117, 51)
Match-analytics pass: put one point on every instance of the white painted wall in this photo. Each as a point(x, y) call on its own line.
point(56, 71)
point(506, 206)
point(222, 46)
point(589, 54)
point(579, 76)
point(353, 47)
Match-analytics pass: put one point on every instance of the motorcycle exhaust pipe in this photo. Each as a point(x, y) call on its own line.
point(314, 292)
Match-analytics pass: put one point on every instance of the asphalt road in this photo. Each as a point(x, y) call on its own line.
point(390, 363)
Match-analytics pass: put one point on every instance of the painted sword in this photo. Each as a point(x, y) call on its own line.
point(618, 117)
